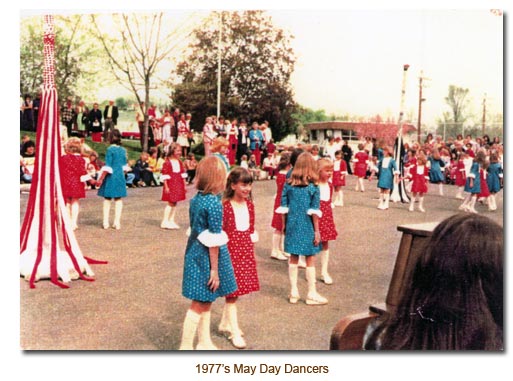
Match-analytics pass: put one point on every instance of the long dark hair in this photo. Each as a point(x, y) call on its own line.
point(236, 175)
point(453, 299)
point(115, 137)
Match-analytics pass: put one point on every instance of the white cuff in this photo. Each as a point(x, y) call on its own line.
point(85, 178)
point(332, 206)
point(426, 177)
point(165, 177)
point(282, 210)
point(213, 239)
point(397, 173)
point(106, 169)
point(344, 173)
point(188, 232)
point(471, 175)
point(501, 175)
point(314, 211)
point(184, 175)
point(254, 237)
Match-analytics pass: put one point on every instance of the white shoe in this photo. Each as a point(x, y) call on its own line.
point(411, 208)
point(173, 225)
point(460, 197)
point(316, 300)
point(106, 226)
point(238, 341)
point(164, 225)
point(276, 254)
point(422, 209)
point(463, 207)
point(293, 298)
point(116, 226)
point(326, 278)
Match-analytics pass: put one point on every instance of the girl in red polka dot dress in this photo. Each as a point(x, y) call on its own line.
point(327, 227)
point(173, 175)
point(239, 225)
point(74, 175)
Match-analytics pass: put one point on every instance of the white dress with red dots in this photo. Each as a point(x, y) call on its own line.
point(239, 225)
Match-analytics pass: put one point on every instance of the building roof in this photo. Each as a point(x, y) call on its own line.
point(335, 125)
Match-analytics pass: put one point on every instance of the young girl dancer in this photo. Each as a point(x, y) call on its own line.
point(327, 227)
point(339, 178)
point(388, 174)
point(208, 272)
point(419, 176)
point(112, 181)
point(173, 176)
point(360, 160)
point(436, 174)
point(277, 221)
point(494, 179)
point(239, 225)
point(300, 206)
point(73, 178)
point(460, 177)
point(473, 184)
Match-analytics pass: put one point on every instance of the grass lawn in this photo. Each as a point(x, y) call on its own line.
point(133, 147)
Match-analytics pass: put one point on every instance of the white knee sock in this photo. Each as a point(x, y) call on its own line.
point(106, 212)
point(421, 202)
point(118, 208)
point(310, 278)
point(293, 270)
point(233, 319)
point(204, 339)
point(165, 219)
point(75, 209)
point(190, 325)
point(276, 241)
point(325, 256)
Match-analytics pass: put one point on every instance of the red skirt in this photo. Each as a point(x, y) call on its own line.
point(327, 227)
point(176, 187)
point(242, 254)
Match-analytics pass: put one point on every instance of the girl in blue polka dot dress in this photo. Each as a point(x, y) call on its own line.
point(208, 271)
point(239, 225)
point(300, 207)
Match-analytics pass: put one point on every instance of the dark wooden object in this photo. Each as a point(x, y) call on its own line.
point(348, 333)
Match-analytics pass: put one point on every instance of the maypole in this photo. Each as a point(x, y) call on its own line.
point(48, 246)
point(399, 190)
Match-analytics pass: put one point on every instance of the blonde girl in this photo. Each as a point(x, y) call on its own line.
point(300, 206)
point(208, 272)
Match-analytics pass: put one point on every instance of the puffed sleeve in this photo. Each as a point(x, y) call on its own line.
point(315, 201)
point(284, 204)
point(394, 166)
point(214, 235)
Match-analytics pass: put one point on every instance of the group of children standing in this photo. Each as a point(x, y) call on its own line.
point(219, 259)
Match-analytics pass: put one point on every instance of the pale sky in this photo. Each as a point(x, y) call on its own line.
point(351, 61)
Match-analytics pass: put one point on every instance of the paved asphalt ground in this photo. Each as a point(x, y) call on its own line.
point(135, 303)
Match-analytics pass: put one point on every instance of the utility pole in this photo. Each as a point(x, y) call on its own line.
point(484, 114)
point(419, 118)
